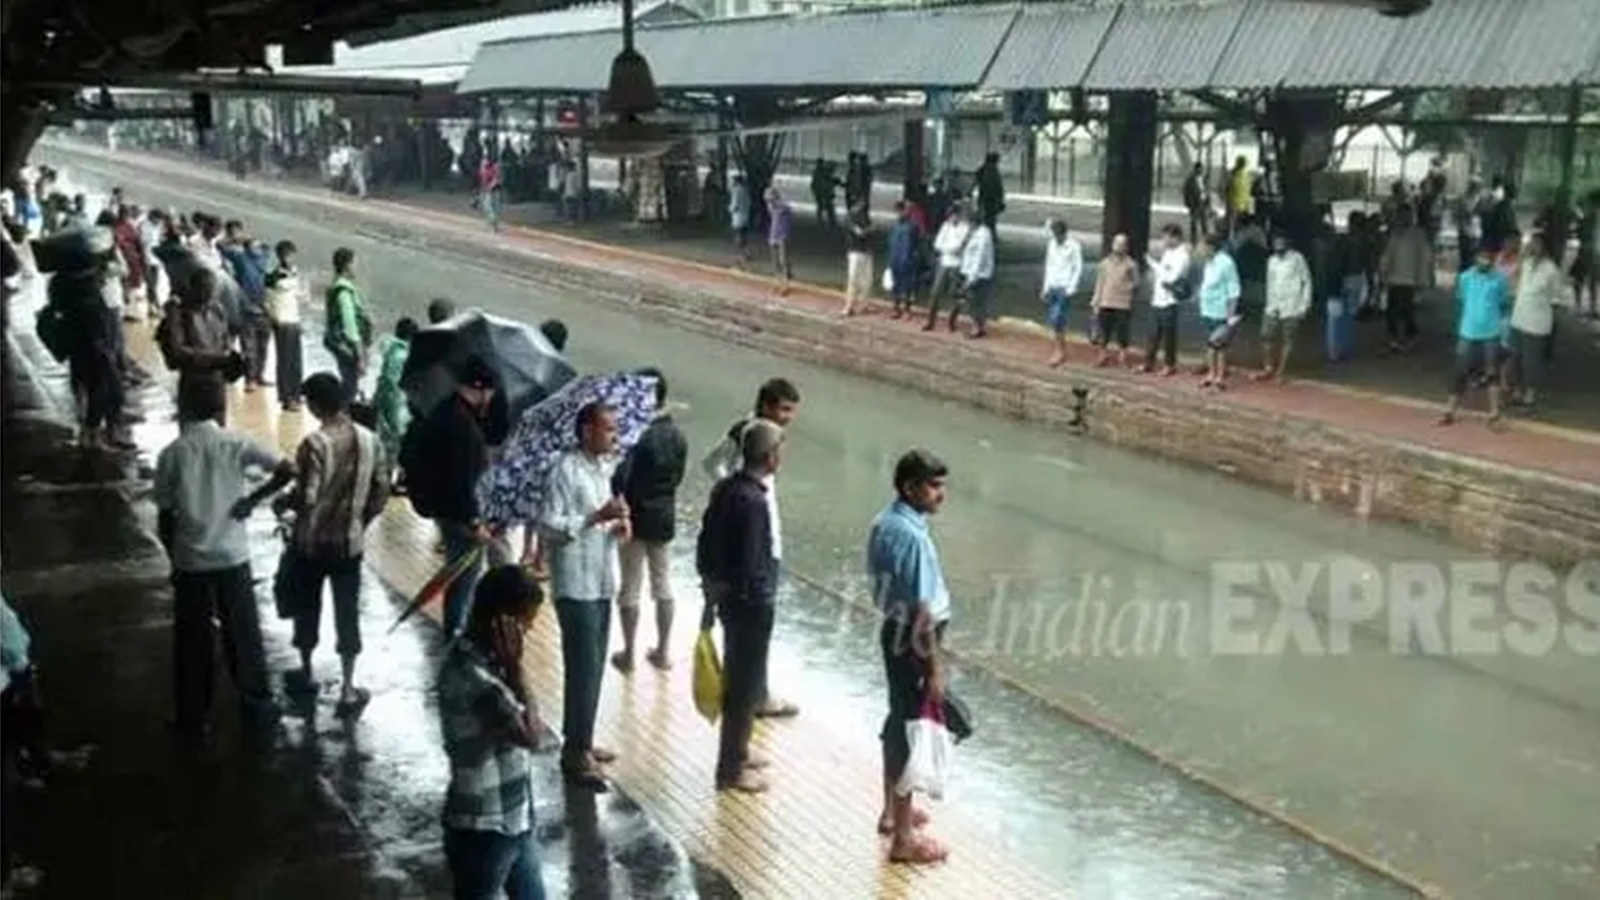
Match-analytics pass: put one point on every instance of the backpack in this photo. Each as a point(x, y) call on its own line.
point(167, 334)
point(419, 480)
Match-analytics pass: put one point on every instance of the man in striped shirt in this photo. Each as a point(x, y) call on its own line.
point(339, 489)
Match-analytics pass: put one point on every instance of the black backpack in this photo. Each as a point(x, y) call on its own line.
point(419, 479)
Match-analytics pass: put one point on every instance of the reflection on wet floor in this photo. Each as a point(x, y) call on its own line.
point(1038, 792)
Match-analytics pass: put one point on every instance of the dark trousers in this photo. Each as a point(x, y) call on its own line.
point(96, 378)
point(1401, 314)
point(907, 676)
point(228, 596)
point(488, 865)
point(349, 374)
point(345, 575)
point(946, 284)
point(585, 637)
point(1163, 337)
point(747, 636)
point(255, 338)
point(291, 361)
point(222, 417)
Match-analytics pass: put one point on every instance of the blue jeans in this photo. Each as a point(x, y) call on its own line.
point(1056, 306)
point(458, 539)
point(488, 865)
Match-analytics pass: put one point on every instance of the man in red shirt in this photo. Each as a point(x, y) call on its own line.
point(489, 191)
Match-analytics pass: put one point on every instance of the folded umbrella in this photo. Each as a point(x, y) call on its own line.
point(513, 488)
point(526, 366)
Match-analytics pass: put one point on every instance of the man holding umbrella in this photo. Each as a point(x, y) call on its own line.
point(444, 455)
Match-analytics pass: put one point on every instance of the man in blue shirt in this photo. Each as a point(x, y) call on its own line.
point(1483, 297)
point(1219, 307)
point(247, 263)
point(910, 592)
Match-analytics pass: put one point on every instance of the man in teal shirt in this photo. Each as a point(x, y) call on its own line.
point(1483, 297)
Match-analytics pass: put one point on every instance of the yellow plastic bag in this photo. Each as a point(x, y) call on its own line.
point(707, 677)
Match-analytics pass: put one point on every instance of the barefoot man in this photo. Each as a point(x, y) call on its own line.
point(909, 588)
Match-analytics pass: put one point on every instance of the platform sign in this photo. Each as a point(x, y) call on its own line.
point(1028, 109)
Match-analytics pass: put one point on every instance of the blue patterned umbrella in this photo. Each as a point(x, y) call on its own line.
point(513, 488)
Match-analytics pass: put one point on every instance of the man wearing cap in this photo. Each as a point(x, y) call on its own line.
point(443, 461)
point(908, 586)
point(739, 575)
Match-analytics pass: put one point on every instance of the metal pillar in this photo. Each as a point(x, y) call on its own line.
point(916, 174)
point(1131, 128)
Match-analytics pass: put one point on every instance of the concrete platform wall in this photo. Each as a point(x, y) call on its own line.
point(1480, 504)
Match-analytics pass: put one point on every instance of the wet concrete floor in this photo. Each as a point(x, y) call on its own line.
point(1474, 772)
point(323, 806)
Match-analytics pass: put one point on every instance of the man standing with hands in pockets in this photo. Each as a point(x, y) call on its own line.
point(582, 524)
point(909, 588)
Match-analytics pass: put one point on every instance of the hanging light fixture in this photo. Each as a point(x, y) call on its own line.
point(632, 89)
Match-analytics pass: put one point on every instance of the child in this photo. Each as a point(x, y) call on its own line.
point(286, 295)
point(390, 401)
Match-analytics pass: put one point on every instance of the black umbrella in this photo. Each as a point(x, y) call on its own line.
point(527, 368)
point(181, 263)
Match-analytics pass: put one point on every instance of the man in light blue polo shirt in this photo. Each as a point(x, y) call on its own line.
point(1219, 307)
point(1483, 297)
point(910, 592)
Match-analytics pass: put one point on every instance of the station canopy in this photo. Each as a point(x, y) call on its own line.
point(904, 49)
point(1098, 46)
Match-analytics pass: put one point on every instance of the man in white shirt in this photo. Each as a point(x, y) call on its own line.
point(948, 244)
point(1288, 302)
point(1174, 284)
point(1063, 269)
point(778, 402)
point(581, 525)
point(977, 276)
point(203, 494)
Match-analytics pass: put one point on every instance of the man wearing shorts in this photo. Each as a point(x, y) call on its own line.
point(1288, 301)
point(1063, 270)
point(1483, 298)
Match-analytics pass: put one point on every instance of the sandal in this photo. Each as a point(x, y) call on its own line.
point(602, 755)
point(747, 783)
point(778, 709)
point(355, 702)
point(659, 659)
point(622, 662)
point(921, 851)
point(919, 819)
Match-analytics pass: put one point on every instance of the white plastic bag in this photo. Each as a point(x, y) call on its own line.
point(888, 280)
point(927, 768)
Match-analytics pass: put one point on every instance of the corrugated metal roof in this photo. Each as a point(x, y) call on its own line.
point(1443, 47)
point(456, 46)
point(1050, 47)
point(1164, 47)
point(1550, 44)
point(945, 47)
point(1348, 51)
point(1263, 51)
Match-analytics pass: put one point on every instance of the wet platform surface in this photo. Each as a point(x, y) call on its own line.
point(323, 806)
point(1406, 757)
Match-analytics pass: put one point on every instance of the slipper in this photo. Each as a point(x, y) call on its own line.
point(778, 709)
point(357, 701)
point(923, 851)
point(622, 663)
point(754, 761)
point(602, 755)
point(919, 819)
point(659, 659)
point(746, 783)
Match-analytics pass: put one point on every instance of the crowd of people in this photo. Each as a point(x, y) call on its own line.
point(223, 303)
point(1234, 263)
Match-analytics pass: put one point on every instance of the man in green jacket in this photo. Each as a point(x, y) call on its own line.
point(349, 330)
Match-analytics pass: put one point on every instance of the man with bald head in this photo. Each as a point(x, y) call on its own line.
point(739, 575)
